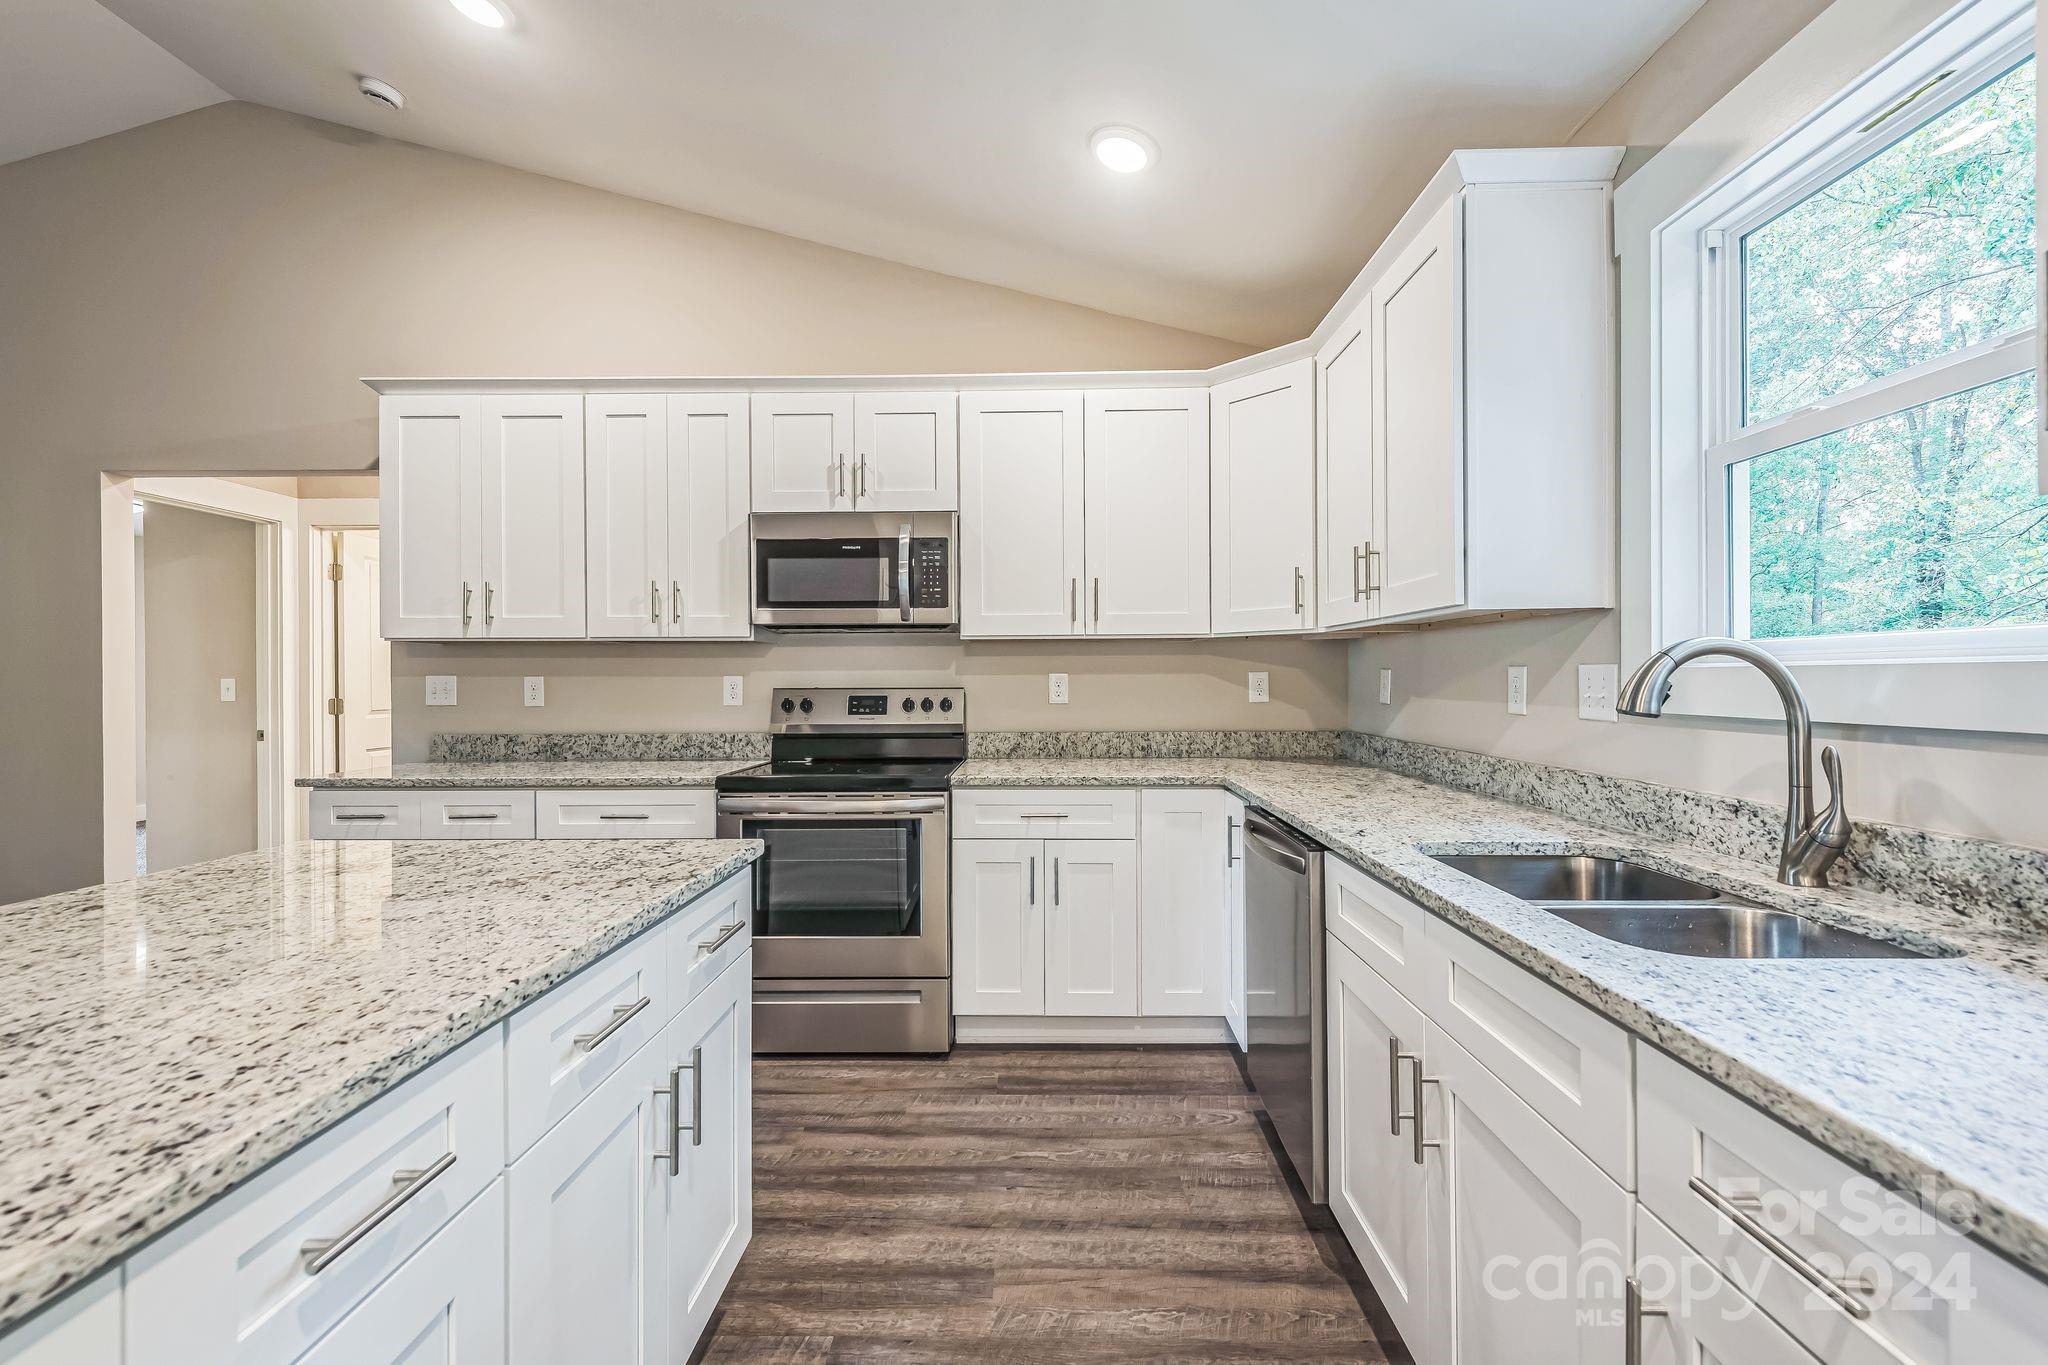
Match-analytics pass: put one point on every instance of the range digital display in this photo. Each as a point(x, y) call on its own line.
point(867, 706)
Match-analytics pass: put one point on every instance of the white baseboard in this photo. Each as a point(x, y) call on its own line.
point(1016, 1028)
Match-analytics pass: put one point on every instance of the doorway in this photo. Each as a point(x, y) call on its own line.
point(355, 666)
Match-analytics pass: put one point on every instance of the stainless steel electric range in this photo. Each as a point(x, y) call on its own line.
point(852, 929)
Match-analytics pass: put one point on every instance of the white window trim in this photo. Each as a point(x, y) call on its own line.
point(1974, 679)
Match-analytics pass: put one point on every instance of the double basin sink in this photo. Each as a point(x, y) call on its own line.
point(1645, 908)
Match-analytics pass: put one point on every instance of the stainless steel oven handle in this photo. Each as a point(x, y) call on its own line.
point(903, 571)
point(831, 805)
point(1286, 857)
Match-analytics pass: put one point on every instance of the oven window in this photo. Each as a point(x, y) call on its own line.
point(838, 878)
point(829, 573)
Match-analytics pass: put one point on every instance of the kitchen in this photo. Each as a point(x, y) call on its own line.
point(1396, 835)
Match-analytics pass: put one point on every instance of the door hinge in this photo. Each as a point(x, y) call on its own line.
point(334, 572)
point(334, 706)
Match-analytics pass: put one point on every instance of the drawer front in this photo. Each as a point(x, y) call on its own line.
point(1564, 1061)
point(565, 1044)
point(1378, 923)
point(1813, 1241)
point(238, 1282)
point(1693, 1315)
point(363, 814)
point(1051, 813)
point(633, 813)
point(476, 815)
point(709, 936)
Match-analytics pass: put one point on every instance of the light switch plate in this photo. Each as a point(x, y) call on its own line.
point(1518, 689)
point(227, 689)
point(1598, 684)
point(735, 689)
point(440, 690)
point(1056, 688)
point(1260, 690)
point(536, 692)
point(1386, 687)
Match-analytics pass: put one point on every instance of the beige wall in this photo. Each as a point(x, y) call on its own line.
point(201, 295)
point(199, 604)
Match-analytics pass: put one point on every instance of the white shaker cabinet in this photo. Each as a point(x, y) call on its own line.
point(1234, 907)
point(532, 505)
point(1184, 881)
point(999, 926)
point(1262, 499)
point(709, 1190)
point(429, 481)
point(803, 452)
point(1147, 522)
point(906, 452)
point(445, 1304)
point(1346, 476)
point(1091, 927)
point(1021, 554)
point(82, 1328)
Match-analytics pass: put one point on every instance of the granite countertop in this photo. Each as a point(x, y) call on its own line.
point(167, 1038)
point(1927, 1073)
point(535, 773)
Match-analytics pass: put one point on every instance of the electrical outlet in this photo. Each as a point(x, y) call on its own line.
point(1518, 689)
point(1260, 691)
point(1386, 687)
point(1056, 688)
point(735, 689)
point(227, 689)
point(536, 691)
point(440, 690)
point(1598, 684)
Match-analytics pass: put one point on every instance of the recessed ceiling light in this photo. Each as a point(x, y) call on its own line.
point(481, 12)
point(1123, 149)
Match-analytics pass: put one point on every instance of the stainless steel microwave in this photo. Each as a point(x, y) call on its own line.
point(856, 570)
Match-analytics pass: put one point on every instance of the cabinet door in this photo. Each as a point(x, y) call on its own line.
point(533, 562)
point(429, 489)
point(625, 445)
point(906, 452)
point(1183, 933)
point(1262, 501)
point(1148, 512)
point(1418, 337)
point(585, 1228)
point(803, 451)
point(1346, 483)
point(1091, 927)
point(446, 1304)
point(1020, 514)
point(1526, 1233)
point(1377, 1193)
point(1696, 1317)
point(710, 1196)
point(998, 926)
point(1233, 908)
point(708, 463)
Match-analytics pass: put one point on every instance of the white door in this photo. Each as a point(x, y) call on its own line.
point(363, 667)
point(1346, 477)
point(1377, 1193)
point(1148, 512)
point(803, 451)
point(1020, 514)
point(710, 1201)
point(999, 926)
point(586, 1238)
point(1182, 927)
point(1233, 907)
point(1418, 337)
point(625, 442)
point(709, 585)
point(1525, 1231)
point(1091, 927)
point(532, 502)
point(1262, 501)
point(906, 452)
point(430, 482)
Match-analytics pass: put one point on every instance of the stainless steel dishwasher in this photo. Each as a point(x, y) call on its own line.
point(1283, 934)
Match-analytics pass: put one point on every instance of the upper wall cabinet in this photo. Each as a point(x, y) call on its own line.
point(482, 502)
point(868, 452)
point(1345, 479)
point(1262, 502)
point(1021, 559)
point(668, 493)
point(803, 447)
point(1146, 456)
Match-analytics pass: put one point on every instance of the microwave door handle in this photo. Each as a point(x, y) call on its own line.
point(903, 571)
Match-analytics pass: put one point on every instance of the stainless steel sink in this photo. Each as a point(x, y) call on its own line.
point(1645, 908)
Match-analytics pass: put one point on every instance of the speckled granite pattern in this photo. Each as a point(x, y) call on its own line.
point(536, 773)
point(1153, 744)
point(599, 747)
point(1968, 878)
point(167, 1038)
point(1928, 1074)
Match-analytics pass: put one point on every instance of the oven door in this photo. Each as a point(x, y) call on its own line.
point(848, 885)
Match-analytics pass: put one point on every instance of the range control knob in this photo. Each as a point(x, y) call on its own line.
point(945, 703)
point(927, 703)
point(909, 705)
point(805, 706)
point(787, 706)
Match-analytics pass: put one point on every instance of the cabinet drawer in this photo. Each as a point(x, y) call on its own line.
point(236, 1282)
point(476, 815)
point(1783, 1219)
point(363, 814)
point(1564, 1061)
point(632, 813)
point(564, 1045)
point(1694, 1315)
point(707, 937)
point(1054, 813)
point(1378, 923)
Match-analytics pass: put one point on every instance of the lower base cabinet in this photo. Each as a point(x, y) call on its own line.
point(445, 1304)
point(1683, 1312)
point(709, 1200)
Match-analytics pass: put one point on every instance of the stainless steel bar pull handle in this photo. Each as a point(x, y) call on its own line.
point(1422, 1144)
point(351, 815)
point(1098, 601)
point(1372, 577)
point(1632, 1324)
point(1833, 1290)
point(487, 604)
point(465, 604)
point(1396, 1115)
point(675, 602)
point(622, 815)
point(589, 1042)
point(322, 1252)
point(1298, 596)
point(1357, 558)
point(721, 938)
point(1073, 601)
point(653, 603)
point(471, 815)
point(1055, 881)
point(1231, 857)
point(1031, 883)
point(860, 479)
point(676, 1127)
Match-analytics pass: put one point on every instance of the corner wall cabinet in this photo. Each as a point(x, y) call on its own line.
point(1262, 502)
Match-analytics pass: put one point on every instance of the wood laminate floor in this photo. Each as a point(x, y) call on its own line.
point(1012, 1204)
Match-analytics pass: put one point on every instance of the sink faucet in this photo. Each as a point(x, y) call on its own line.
point(1810, 845)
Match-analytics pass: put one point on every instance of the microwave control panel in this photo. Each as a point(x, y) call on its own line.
point(928, 572)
